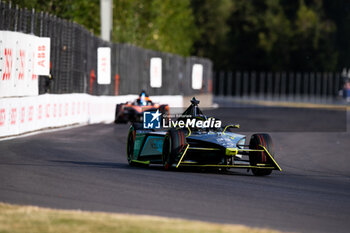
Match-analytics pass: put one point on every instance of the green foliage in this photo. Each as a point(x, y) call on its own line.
point(176, 29)
point(163, 25)
point(313, 45)
point(338, 12)
point(86, 13)
point(211, 20)
point(276, 27)
point(269, 35)
point(275, 35)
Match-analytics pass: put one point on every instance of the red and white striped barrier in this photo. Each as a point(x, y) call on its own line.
point(27, 114)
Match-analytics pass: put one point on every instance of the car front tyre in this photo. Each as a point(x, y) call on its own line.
point(256, 157)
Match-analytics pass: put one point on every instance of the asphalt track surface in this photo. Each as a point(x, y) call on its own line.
point(85, 168)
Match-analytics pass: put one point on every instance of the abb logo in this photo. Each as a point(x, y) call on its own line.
point(41, 55)
point(30, 113)
point(40, 111)
point(47, 111)
point(13, 116)
point(155, 70)
point(66, 110)
point(54, 110)
point(8, 64)
point(60, 111)
point(21, 64)
point(78, 108)
point(104, 64)
point(22, 114)
point(2, 116)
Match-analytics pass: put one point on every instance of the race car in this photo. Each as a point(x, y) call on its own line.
point(204, 147)
point(133, 111)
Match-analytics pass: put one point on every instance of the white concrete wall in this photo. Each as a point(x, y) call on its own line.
point(27, 114)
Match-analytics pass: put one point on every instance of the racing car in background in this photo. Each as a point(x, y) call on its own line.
point(208, 147)
point(133, 111)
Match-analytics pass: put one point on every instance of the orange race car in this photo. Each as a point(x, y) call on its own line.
point(133, 111)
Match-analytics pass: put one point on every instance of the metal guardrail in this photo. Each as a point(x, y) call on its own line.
point(74, 59)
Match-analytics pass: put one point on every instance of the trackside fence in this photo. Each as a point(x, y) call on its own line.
point(284, 86)
point(73, 59)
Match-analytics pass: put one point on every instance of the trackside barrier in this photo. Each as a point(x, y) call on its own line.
point(290, 86)
point(27, 114)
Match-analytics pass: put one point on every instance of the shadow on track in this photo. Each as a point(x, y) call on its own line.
point(145, 167)
point(93, 164)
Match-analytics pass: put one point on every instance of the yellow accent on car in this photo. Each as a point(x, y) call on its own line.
point(228, 126)
point(183, 154)
point(268, 153)
point(262, 150)
point(142, 162)
point(231, 151)
point(227, 166)
point(189, 132)
point(202, 148)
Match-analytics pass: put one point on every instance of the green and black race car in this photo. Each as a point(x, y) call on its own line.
point(193, 146)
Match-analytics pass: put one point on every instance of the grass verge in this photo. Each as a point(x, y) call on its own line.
point(16, 218)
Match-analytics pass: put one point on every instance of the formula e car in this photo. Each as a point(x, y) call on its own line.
point(133, 111)
point(197, 146)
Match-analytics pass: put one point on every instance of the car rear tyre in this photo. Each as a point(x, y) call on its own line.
point(118, 115)
point(130, 145)
point(174, 142)
point(256, 157)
